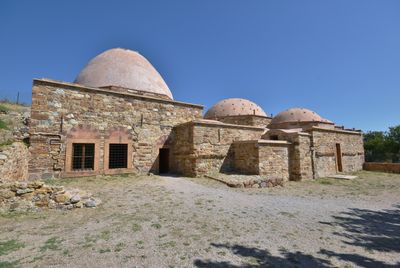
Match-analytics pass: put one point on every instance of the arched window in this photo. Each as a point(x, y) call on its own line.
point(82, 150)
point(118, 151)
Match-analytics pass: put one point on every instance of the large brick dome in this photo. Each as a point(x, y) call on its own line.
point(123, 68)
point(234, 107)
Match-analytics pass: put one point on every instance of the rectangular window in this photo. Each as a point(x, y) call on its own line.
point(83, 156)
point(118, 157)
point(274, 137)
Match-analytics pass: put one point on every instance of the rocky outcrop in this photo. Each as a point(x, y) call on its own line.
point(35, 195)
point(14, 162)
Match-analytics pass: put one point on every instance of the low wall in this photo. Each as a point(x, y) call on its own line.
point(385, 167)
point(14, 162)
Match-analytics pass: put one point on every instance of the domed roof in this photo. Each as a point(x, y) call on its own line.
point(232, 107)
point(123, 68)
point(297, 115)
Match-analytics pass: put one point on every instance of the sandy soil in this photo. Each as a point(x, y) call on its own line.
point(196, 222)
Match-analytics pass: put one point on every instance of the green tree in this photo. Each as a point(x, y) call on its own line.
point(375, 146)
point(383, 146)
point(393, 143)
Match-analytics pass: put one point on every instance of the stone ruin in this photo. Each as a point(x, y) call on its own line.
point(36, 195)
point(119, 116)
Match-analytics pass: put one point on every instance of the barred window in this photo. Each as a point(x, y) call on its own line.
point(83, 156)
point(118, 157)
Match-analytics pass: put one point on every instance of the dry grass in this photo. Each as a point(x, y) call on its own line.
point(151, 221)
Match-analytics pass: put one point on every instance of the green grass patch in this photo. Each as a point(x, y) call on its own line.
point(89, 241)
point(53, 243)
point(136, 227)
point(105, 235)
point(156, 226)
point(324, 181)
point(10, 246)
point(287, 214)
point(119, 247)
point(6, 264)
point(6, 143)
point(104, 250)
point(4, 108)
point(170, 244)
point(3, 125)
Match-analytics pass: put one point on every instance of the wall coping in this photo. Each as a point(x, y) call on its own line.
point(336, 130)
point(207, 122)
point(275, 142)
point(50, 82)
point(289, 131)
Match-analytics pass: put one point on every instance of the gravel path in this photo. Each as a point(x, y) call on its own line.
point(182, 222)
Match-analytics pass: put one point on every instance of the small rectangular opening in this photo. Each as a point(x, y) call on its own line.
point(274, 137)
point(163, 161)
point(118, 156)
point(339, 158)
point(83, 156)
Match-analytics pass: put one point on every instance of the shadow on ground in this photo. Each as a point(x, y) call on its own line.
point(372, 230)
point(254, 257)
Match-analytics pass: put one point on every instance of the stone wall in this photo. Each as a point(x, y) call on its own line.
point(262, 157)
point(300, 154)
point(206, 146)
point(248, 120)
point(247, 158)
point(183, 151)
point(384, 167)
point(59, 109)
point(14, 162)
point(324, 142)
point(302, 161)
point(274, 159)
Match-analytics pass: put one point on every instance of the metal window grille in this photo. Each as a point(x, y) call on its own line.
point(118, 157)
point(83, 156)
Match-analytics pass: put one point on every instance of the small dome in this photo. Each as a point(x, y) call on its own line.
point(123, 68)
point(297, 115)
point(232, 107)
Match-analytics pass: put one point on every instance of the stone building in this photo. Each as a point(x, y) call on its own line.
point(119, 116)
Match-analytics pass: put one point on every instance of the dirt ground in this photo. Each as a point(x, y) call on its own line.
point(153, 221)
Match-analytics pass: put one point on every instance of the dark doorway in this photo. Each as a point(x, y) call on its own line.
point(118, 157)
point(83, 156)
point(339, 158)
point(163, 161)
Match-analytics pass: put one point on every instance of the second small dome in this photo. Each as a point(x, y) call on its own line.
point(234, 107)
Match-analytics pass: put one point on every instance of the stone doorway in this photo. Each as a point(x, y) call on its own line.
point(339, 164)
point(163, 161)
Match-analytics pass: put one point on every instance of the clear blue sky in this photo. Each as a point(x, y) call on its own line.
point(340, 58)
